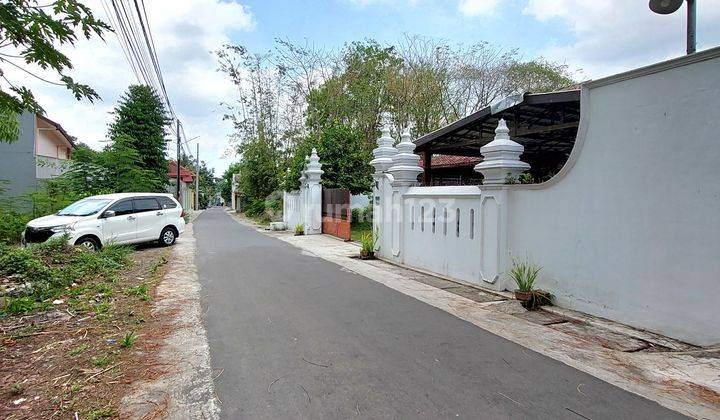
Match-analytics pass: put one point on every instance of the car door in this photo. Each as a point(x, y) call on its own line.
point(150, 218)
point(120, 228)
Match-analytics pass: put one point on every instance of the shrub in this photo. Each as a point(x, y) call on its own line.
point(362, 215)
point(524, 273)
point(11, 226)
point(299, 229)
point(368, 242)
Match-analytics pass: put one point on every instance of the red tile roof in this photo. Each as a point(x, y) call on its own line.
point(186, 175)
point(448, 161)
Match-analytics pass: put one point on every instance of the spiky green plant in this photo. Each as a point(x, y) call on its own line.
point(525, 273)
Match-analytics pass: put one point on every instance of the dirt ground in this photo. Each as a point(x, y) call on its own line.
point(66, 363)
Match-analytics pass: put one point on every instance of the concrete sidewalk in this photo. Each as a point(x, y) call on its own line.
point(676, 375)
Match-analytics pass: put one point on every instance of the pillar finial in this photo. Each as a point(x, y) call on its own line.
point(385, 151)
point(501, 158)
point(405, 166)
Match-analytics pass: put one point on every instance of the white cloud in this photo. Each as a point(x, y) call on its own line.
point(477, 7)
point(615, 35)
point(185, 33)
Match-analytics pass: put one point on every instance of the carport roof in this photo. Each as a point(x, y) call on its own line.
point(539, 121)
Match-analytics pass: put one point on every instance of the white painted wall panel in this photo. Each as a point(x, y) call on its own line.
point(632, 231)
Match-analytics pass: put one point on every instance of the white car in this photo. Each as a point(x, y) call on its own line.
point(125, 218)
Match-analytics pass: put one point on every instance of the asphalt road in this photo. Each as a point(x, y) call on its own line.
point(295, 336)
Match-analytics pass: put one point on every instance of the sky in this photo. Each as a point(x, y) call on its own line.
point(595, 38)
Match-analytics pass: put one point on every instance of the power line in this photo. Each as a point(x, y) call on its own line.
point(132, 27)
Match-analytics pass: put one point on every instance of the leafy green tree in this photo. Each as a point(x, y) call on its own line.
point(141, 116)
point(344, 158)
point(31, 34)
point(258, 169)
point(537, 76)
point(225, 183)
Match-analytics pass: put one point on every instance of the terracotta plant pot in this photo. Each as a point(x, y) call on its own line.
point(365, 255)
point(523, 296)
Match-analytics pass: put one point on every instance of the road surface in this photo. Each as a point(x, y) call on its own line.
point(294, 336)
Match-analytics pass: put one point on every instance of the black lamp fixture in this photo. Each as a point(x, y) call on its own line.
point(665, 7)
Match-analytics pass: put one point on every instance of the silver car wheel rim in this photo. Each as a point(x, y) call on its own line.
point(88, 245)
point(168, 237)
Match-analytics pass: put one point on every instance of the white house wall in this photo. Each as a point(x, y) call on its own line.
point(630, 229)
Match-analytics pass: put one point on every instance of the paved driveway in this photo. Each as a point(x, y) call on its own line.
point(298, 337)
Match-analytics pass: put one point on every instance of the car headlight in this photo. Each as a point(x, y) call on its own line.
point(63, 228)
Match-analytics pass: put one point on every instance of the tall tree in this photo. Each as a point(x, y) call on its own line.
point(538, 76)
point(141, 117)
point(30, 36)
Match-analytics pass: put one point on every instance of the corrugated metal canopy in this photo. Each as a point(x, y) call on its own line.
point(542, 122)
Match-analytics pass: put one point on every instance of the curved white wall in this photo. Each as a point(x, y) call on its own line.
point(631, 232)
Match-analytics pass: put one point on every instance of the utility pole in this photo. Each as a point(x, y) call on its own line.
point(177, 179)
point(197, 177)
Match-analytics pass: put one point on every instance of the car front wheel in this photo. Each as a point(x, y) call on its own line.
point(167, 236)
point(88, 244)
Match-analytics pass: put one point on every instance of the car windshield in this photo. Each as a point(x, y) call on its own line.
point(84, 207)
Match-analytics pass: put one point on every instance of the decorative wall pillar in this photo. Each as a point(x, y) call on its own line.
point(382, 188)
point(501, 166)
point(313, 173)
point(404, 172)
point(501, 158)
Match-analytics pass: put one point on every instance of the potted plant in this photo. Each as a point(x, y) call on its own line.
point(524, 273)
point(299, 229)
point(367, 246)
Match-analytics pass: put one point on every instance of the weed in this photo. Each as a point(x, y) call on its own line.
point(79, 350)
point(128, 339)
point(140, 291)
point(20, 305)
point(524, 273)
point(16, 389)
point(101, 361)
point(157, 264)
point(103, 413)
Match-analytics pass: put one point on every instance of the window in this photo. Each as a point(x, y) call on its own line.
point(433, 224)
point(457, 222)
point(84, 207)
point(445, 221)
point(122, 208)
point(146, 204)
point(472, 223)
point(166, 202)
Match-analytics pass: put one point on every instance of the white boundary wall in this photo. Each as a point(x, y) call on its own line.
point(628, 230)
point(304, 207)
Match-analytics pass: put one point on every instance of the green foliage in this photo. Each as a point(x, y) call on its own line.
point(20, 305)
point(538, 76)
point(50, 267)
point(11, 226)
point(9, 126)
point(299, 229)
point(139, 291)
point(344, 157)
point(225, 183)
point(362, 215)
point(139, 125)
point(524, 273)
point(258, 169)
point(368, 242)
point(129, 339)
point(38, 31)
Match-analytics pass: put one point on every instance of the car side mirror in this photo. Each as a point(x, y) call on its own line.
point(108, 213)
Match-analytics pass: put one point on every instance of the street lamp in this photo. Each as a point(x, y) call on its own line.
point(665, 7)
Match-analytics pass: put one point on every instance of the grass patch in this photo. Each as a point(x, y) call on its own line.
point(128, 339)
point(46, 270)
point(359, 229)
point(79, 350)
